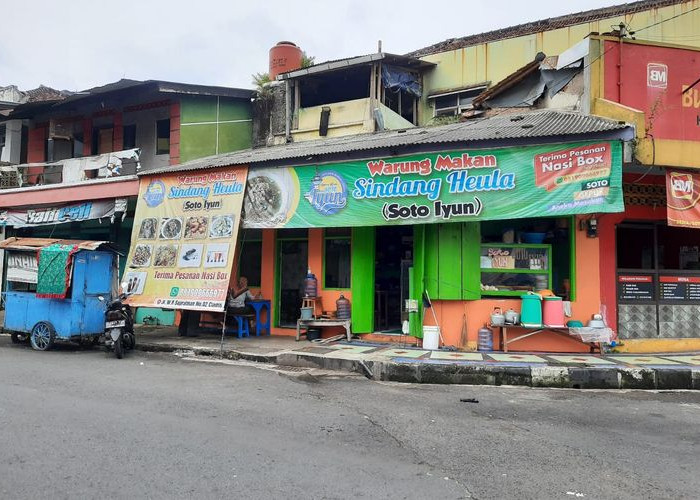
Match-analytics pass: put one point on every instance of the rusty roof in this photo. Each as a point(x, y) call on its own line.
point(551, 23)
point(532, 127)
point(32, 244)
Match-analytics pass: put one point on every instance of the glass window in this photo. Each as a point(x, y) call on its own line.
point(456, 102)
point(635, 247)
point(129, 141)
point(337, 258)
point(163, 137)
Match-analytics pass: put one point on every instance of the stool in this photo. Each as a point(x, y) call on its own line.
point(310, 302)
point(243, 329)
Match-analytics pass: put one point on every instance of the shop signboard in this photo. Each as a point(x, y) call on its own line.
point(61, 214)
point(682, 195)
point(679, 288)
point(635, 288)
point(22, 267)
point(184, 238)
point(452, 186)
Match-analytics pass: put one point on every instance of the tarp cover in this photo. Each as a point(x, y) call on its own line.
point(397, 79)
point(55, 265)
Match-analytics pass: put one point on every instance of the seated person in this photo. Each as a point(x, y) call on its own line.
point(238, 296)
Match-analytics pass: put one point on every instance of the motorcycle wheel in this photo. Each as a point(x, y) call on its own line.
point(131, 341)
point(119, 349)
point(19, 338)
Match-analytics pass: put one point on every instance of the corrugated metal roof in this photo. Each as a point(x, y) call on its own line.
point(543, 25)
point(531, 125)
point(347, 62)
point(37, 243)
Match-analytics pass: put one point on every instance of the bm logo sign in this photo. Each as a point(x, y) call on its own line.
point(657, 75)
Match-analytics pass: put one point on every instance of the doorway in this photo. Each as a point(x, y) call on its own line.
point(393, 259)
point(293, 259)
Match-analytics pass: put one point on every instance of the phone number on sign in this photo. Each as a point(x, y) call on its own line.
point(210, 293)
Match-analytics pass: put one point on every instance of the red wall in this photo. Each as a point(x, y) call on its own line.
point(669, 114)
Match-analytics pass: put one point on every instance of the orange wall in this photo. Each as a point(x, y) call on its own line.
point(450, 314)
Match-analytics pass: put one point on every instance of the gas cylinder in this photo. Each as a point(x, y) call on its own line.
point(485, 339)
point(342, 308)
point(310, 285)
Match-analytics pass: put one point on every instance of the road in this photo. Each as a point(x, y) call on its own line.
point(78, 424)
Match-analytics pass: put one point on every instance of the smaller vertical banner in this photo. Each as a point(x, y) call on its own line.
point(682, 195)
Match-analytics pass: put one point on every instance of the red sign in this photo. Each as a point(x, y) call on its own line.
point(682, 195)
point(679, 279)
point(573, 165)
point(656, 80)
point(635, 279)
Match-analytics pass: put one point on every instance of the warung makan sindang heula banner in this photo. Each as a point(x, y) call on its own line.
point(536, 181)
point(184, 239)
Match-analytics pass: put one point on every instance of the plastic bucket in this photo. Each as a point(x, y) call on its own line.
point(307, 313)
point(553, 312)
point(313, 334)
point(431, 337)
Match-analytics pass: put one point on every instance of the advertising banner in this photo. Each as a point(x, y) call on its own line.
point(184, 239)
point(72, 212)
point(535, 181)
point(682, 194)
point(22, 267)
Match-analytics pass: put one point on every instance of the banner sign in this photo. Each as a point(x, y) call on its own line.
point(535, 181)
point(184, 238)
point(682, 194)
point(22, 267)
point(73, 212)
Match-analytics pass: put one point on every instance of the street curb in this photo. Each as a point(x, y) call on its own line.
point(574, 377)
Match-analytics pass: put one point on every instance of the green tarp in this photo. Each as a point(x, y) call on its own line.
point(54, 270)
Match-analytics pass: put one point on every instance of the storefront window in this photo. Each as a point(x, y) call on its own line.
point(635, 249)
point(336, 248)
point(250, 260)
point(519, 256)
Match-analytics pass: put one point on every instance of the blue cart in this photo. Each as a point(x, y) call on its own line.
point(78, 317)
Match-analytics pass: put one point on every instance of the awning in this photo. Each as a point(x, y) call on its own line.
point(60, 214)
point(33, 244)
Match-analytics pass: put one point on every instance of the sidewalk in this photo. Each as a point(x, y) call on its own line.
point(392, 363)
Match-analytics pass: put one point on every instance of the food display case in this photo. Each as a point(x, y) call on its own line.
point(512, 270)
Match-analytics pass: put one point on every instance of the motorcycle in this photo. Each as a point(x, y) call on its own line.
point(119, 326)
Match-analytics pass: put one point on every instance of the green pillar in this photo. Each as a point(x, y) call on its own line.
point(362, 279)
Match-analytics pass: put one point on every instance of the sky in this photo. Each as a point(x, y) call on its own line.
point(78, 44)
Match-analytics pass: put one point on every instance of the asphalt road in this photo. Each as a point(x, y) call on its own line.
point(78, 424)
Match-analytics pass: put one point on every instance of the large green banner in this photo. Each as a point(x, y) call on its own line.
point(454, 186)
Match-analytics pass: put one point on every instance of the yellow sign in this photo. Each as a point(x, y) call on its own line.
point(184, 238)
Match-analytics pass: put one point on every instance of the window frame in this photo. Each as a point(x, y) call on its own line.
point(157, 137)
point(458, 108)
point(323, 267)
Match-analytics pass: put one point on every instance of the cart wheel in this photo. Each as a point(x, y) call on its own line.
point(95, 340)
point(19, 338)
point(43, 336)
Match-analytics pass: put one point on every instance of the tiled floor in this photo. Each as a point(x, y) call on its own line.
point(517, 358)
point(457, 356)
point(689, 360)
point(400, 353)
point(643, 360)
point(582, 359)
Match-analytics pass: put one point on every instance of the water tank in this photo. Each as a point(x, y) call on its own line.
point(342, 307)
point(285, 56)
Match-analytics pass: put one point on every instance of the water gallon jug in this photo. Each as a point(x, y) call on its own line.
point(553, 312)
point(531, 310)
point(310, 285)
point(485, 339)
point(342, 308)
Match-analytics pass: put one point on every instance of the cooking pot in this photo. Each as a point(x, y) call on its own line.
point(512, 317)
point(596, 322)
point(497, 317)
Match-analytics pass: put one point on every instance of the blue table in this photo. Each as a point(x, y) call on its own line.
point(259, 305)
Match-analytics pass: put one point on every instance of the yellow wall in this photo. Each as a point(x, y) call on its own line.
point(494, 61)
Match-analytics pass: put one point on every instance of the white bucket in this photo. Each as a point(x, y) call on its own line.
point(431, 337)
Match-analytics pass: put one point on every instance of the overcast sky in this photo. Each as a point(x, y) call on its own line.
point(79, 44)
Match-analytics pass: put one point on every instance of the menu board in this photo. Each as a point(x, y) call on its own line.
point(633, 288)
point(679, 288)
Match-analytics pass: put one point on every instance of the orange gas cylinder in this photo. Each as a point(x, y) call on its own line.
point(285, 56)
